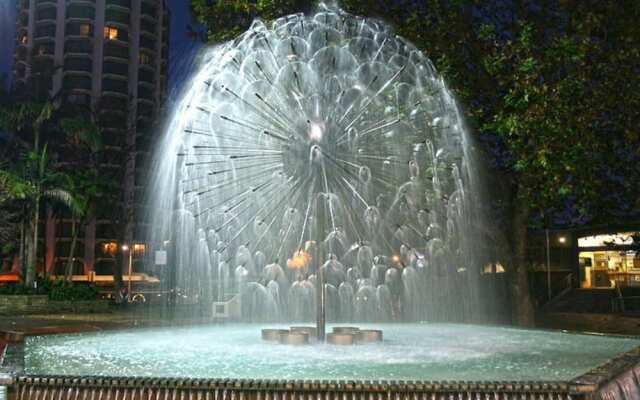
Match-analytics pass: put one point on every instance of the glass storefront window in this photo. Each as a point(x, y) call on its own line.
point(609, 268)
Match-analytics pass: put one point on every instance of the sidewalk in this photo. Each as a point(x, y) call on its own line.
point(619, 324)
point(14, 329)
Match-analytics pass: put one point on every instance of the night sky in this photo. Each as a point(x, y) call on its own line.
point(182, 48)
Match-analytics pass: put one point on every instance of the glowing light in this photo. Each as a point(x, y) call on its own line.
point(140, 248)
point(109, 248)
point(299, 260)
point(110, 33)
point(125, 247)
point(562, 239)
point(395, 259)
point(315, 132)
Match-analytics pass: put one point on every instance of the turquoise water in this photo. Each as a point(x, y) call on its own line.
point(409, 352)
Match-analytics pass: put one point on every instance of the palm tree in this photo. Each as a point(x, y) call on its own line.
point(32, 179)
point(81, 191)
point(27, 186)
point(85, 185)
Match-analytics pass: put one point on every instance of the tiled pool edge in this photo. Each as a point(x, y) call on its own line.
point(619, 378)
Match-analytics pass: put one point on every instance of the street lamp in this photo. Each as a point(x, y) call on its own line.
point(126, 248)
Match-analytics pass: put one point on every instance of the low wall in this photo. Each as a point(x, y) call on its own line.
point(40, 304)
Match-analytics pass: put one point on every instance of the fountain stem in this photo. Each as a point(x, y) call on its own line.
point(320, 294)
point(321, 309)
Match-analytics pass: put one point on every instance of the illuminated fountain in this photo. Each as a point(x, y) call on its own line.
point(321, 152)
point(321, 141)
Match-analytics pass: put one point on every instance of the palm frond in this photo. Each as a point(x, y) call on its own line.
point(59, 195)
point(82, 130)
point(66, 198)
point(44, 115)
point(13, 186)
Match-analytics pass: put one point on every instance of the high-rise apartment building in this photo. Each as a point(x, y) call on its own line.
point(110, 56)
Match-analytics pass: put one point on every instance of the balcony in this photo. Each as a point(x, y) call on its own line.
point(44, 50)
point(113, 120)
point(115, 68)
point(78, 46)
point(46, 14)
point(23, 19)
point(21, 53)
point(78, 29)
point(43, 66)
point(114, 103)
point(82, 99)
point(148, 43)
point(147, 77)
point(125, 4)
point(116, 16)
point(21, 70)
point(115, 85)
point(77, 64)
point(148, 10)
point(145, 96)
point(76, 82)
point(46, 3)
point(116, 51)
point(147, 26)
point(118, 95)
point(82, 2)
point(83, 12)
point(47, 31)
point(146, 60)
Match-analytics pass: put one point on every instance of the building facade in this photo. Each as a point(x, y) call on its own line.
point(110, 56)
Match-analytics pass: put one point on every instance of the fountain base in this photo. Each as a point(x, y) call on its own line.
point(341, 335)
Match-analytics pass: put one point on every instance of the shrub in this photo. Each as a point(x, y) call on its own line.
point(62, 292)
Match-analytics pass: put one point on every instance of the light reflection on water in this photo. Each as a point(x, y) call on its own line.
point(409, 352)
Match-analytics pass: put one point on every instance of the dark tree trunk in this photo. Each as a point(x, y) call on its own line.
point(522, 307)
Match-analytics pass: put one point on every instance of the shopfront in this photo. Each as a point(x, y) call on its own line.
point(609, 260)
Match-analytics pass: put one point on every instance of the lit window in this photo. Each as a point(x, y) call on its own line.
point(110, 33)
point(85, 30)
point(139, 249)
point(492, 268)
point(144, 59)
point(109, 248)
point(23, 39)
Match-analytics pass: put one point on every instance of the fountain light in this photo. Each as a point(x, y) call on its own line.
point(300, 260)
point(316, 131)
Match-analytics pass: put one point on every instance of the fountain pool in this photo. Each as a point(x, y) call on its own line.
point(419, 352)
